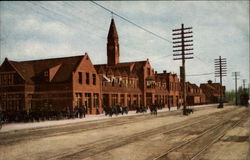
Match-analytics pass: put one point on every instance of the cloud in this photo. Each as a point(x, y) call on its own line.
point(33, 24)
point(33, 30)
point(28, 50)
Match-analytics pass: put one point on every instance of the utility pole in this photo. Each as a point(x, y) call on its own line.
point(235, 74)
point(244, 81)
point(220, 71)
point(181, 44)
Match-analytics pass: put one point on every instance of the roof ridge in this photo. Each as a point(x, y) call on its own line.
point(48, 59)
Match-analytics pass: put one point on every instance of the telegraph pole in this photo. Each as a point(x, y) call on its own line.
point(244, 81)
point(183, 42)
point(220, 71)
point(235, 74)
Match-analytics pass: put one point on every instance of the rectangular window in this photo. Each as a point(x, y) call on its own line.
point(1, 79)
point(94, 79)
point(87, 78)
point(135, 100)
point(46, 74)
point(78, 99)
point(80, 77)
point(114, 100)
point(122, 99)
point(148, 70)
point(88, 100)
point(129, 100)
point(96, 100)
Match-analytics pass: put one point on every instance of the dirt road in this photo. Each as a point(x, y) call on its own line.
point(168, 135)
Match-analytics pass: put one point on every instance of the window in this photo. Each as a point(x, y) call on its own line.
point(94, 79)
point(148, 70)
point(46, 74)
point(114, 100)
point(87, 78)
point(135, 98)
point(88, 101)
point(120, 82)
point(6, 79)
point(80, 77)
point(78, 99)
point(129, 100)
point(96, 100)
point(122, 99)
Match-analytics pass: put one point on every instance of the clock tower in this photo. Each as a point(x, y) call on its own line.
point(113, 45)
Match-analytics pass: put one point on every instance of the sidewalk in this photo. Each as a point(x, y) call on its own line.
point(19, 126)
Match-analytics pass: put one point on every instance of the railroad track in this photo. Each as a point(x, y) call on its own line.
point(211, 132)
point(107, 144)
point(31, 134)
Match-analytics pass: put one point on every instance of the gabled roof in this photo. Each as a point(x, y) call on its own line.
point(124, 68)
point(110, 72)
point(117, 72)
point(133, 75)
point(30, 70)
point(101, 70)
point(150, 78)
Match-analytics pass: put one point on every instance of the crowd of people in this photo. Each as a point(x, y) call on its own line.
point(78, 112)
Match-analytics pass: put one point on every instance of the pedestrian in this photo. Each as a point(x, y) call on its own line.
point(84, 110)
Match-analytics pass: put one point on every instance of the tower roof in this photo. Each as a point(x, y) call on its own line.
point(112, 30)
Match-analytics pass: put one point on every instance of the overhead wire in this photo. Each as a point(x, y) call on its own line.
point(146, 30)
point(165, 56)
point(71, 15)
point(138, 26)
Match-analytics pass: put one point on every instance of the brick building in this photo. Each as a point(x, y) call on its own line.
point(65, 83)
point(195, 96)
point(49, 84)
point(212, 91)
point(133, 83)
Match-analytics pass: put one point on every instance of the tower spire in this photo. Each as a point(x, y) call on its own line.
point(112, 30)
point(113, 44)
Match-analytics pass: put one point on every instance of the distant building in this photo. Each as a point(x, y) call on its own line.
point(195, 96)
point(212, 91)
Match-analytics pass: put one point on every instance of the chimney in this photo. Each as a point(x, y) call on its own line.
point(209, 82)
point(164, 71)
point(155, 72)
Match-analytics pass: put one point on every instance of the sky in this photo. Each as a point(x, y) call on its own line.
point(39, 30)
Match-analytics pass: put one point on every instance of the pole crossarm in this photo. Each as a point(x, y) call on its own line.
point(182, 58)
point(187, 49)
point(182, 46)
point(182, 37)
point(181, 29)
point(174, 34)
point(181, 54)
point(220, 71)
point(182, 40)
point(236, 74)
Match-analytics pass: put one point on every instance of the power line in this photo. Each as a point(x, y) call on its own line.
point(153, 60)
point(73, 16)
point(138, 26)
point(202, 74)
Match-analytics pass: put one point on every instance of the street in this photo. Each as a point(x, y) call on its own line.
point(209, 133)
